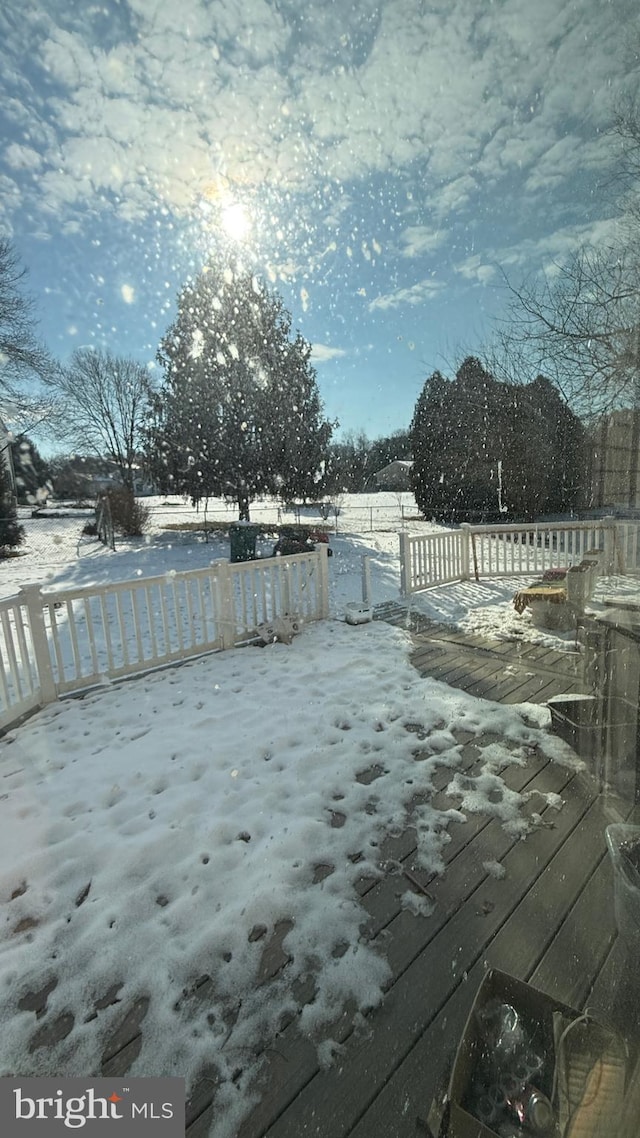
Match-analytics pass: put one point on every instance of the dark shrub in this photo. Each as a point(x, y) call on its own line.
point(130, 517)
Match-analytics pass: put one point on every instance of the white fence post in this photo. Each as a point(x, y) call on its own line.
point(405, 563)
point(465, 542)
point(366, 580)
point(609, 546)
point(33, 600)
point(227, 603)
point(322, 553)
point(620, 549)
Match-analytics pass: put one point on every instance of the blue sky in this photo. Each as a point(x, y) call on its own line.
point(381, 164)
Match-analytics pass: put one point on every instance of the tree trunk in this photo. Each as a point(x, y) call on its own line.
point(243, 507)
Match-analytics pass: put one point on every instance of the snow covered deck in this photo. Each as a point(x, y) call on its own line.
point(549, 920)
point(507, 671)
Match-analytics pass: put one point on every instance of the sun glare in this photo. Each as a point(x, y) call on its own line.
point(235, 221)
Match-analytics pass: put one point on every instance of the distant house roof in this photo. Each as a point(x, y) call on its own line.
point(395, 473)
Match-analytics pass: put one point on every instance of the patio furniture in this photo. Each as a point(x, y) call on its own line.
point(559, 598)
point(539, 591)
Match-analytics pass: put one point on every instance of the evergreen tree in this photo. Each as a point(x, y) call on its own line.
point(239, 413)
point(484, 449)
point(11, 532)
point(33, 476)
point(347, 464)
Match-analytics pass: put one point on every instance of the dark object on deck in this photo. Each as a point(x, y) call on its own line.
point(631, 854)
point(590, 725)
point(623, 843)
point(242, 537)
point(514, 1034)
point(299, 541)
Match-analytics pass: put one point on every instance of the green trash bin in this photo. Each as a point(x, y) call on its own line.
point(242, 536)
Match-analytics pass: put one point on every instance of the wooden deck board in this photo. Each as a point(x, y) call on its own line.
point(503, 671)
point(405, 1097)
point(470, 907)
point(529, 904)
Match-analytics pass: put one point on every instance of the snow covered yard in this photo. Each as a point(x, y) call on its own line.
point(187, 823)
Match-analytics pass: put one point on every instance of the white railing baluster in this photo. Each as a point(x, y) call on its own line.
point(66, 641)
point(88, 616)
point(11, 654)
point(26, 657)
point(107, 633)
point(73, 635)
point(164, 616)
point(133, 599)
point(4, 686)
point(177, 615)
point(122, 629)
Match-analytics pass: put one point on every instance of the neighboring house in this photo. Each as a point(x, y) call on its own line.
point(395, 476)
point(6, 457)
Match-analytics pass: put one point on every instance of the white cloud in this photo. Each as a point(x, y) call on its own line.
point(562, 243)
point(242, 89)
point(475, 268)
point(323, 352)
point(416, 294)
point(22, 157)
point(461, 103)
point(419, 239)
point(454, 196)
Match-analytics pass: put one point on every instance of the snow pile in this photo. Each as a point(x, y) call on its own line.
point(203, 820)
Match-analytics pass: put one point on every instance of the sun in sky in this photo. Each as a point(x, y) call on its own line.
point(236, 222)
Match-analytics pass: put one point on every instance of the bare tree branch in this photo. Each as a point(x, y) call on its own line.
point(105, 399)
point(25, 364)
point(580, 326)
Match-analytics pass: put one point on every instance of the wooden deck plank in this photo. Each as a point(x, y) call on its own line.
point(404, 1099)
point(566, 970)
point(293, 1061)
point(476, 921)
point(538, 690)
point(290, 1066)
point(614, 997)
point(458, 660)
point(333, 1100)
point(456, 668)
point(466, 845)
point(483, 672)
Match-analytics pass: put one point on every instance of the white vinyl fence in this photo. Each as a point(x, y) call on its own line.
point(513, 550)
point(57, 642)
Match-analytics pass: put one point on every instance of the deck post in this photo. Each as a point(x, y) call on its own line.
point(322, 554)
point(609, 536)
point(366, 580)
point(465, 542)
point(227, 603)
point(32, 598)
point(405, 563)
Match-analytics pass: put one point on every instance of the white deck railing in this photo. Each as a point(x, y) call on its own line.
point(62, 641)
point(432, 559)
point(514, 550)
